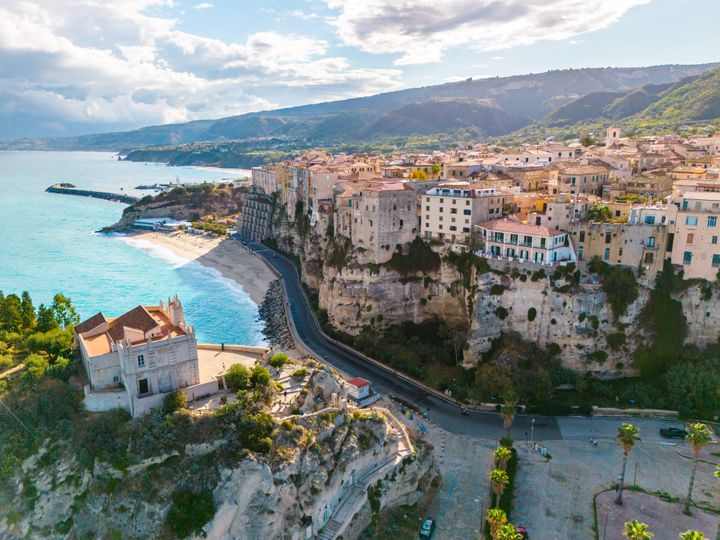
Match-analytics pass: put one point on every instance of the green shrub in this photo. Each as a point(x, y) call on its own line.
point(537, 275)
point(175, 401)
point(189, 512)
point(618, 283)
point(497, 290)
point(420, 258)
point(598, 356)
point(237, 377)
point(532, 313)
point(501, 313)
point(616, 340)
point(259, 377)
point(299, 373)
point(278, 360)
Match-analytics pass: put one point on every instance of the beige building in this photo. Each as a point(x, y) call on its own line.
point(450, 211)
point(558, 212)
point(573, 179)
point(149, 350)
point(264, 178)
point(377, 217)
point(621, 244)
point(695, 236)
point(529, 178)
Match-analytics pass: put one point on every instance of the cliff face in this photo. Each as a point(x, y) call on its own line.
point(319, 463)
point(580, 322)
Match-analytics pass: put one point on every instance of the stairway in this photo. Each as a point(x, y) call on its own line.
point(330, 530)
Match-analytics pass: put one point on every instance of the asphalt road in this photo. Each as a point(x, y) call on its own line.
point(444, 413)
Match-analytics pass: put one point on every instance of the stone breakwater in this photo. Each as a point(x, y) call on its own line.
point(272, 314)
point(65, 189)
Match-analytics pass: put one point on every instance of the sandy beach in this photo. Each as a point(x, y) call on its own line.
point(225, 255)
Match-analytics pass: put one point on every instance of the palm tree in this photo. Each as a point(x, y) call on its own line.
point(692, 535)
point(508, 532)
point(502, 456)
point(499, 481)
point(717, 471)
point(634, 530)
point(627, 435)
point(698, 435)
point(496, 518)
point(508, 410)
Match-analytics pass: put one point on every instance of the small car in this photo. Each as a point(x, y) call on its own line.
point(673, 433)
point(428, 528)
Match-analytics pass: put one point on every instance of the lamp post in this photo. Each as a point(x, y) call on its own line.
point(532, 430)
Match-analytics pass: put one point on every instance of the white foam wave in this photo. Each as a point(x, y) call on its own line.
point(154, 250)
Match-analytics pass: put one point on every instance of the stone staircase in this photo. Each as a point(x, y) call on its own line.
point(330, 530)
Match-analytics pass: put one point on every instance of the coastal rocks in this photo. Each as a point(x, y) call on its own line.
point(272, 313)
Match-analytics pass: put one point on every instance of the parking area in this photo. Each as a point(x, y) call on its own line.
point(554, 498)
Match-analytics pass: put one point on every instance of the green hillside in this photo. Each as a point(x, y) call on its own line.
point(689, 106)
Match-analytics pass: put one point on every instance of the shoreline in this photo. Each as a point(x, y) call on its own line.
point(222, 254)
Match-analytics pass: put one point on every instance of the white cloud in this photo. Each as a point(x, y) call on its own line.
point(420, 31)
point(125, 62)
point(204, 5)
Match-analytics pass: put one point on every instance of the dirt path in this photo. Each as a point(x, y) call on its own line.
point(11, 371)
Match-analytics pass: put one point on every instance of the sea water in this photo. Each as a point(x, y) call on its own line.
point(49, 244)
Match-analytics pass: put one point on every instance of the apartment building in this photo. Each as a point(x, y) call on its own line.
point(632, 245)
point(558, 212)
point(509, 239)
point(529, 178)
point(450, 211)
point(574, 179)
point(695, 235)
point(264, 179)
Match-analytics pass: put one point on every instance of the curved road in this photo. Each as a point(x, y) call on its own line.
point(444, 413)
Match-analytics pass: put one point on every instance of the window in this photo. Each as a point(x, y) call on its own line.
point(453, 210)
point(453, 228)
point(691, 220)
point(401, 223)
point(141, 360)
point(690, 238)
point(713, 240)
point(580, 254)
point(466, 229)
point(513, 238)
point(716, 261)
point(467, 203)
point(606, 255)
point(608, 238)
point(582, 236)
point(454, 201)
point(687, 257)
point(650, 220)
point(427, 208)
point(467, 212)
point(651, 241)
point(542, 242)
point(712, 221)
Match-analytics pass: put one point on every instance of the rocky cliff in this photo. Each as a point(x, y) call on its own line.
point(185, 204)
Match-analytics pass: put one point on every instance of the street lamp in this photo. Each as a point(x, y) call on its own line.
point(532, 430)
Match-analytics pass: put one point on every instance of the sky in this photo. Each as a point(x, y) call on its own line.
point(84, 66)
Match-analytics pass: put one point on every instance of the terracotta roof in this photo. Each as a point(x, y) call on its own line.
point(357, 382)
point(138, 318)
point(511, 226)
point(88, 324)
point(387, 186)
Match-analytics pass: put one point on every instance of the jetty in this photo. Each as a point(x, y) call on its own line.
point(69, 189)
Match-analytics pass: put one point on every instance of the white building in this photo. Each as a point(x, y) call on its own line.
point(141, 355)
point(450, 211)
point(510, 239)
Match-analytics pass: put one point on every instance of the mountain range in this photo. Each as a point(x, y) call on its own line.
point(550, 103)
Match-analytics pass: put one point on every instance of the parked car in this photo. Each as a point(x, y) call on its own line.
point(673, 433)
point(428, 528)
point(522, 531)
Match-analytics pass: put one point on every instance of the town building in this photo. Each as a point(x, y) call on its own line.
point(449, 211)
point(509, 239)
point(572, 178)
point(633, 245)
point(695, 234)
point(264, 178)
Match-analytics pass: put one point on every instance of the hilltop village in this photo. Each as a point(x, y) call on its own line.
point(631, 202)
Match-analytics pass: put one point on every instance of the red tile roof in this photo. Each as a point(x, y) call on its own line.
point(88, 324)
point(138, 318)
point(357, 382)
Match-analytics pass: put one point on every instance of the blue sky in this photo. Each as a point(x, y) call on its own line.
point(69, 66)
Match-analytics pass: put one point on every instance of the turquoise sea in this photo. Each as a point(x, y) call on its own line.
point(48, 244)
